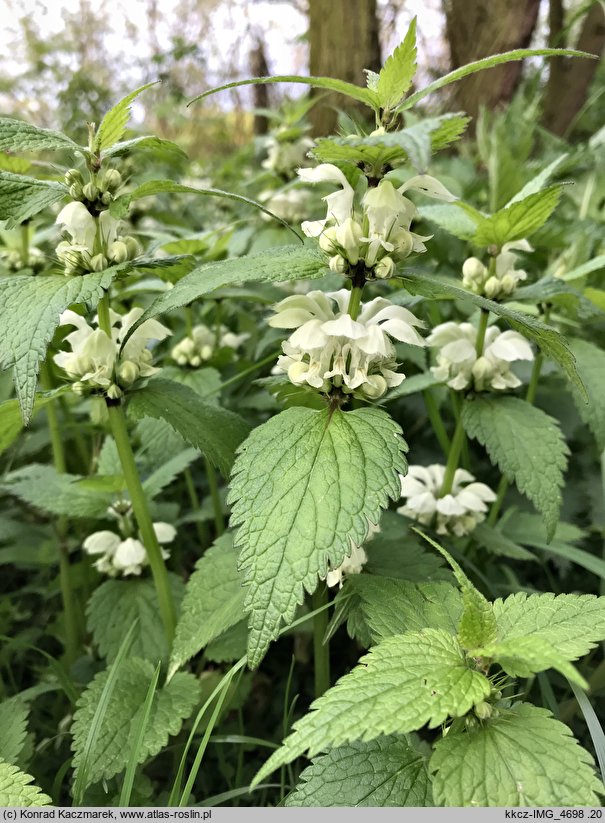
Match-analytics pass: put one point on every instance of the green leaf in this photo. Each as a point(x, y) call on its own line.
point(488, 63)
point(590, 361)
point(384, 772)
point(21, 197)
point(572, 623)
point(539, 181)
point(271, 266)
point(396, 75)
point(397, 552)
point(364, 95)
point(519, 220)
point(171, 705)
point(118, 603)
point(64, 494)
point(526, 656)
point(13, 722)
point(527, 446)
point(29, 314)
point(168, 472)
point(229, 646)
point(11, 422)
point(499, 544)
point(152, 187)
point(113, 125)
point(216, 432)
point(451, 218)
point(522, 757)
point(214, 601)
point(477, 622)
point(16, 791)
point(304, 487)
point(150, 143)
point(18, 136)
point(404, 683)
point(550, 342)
point(393, 607)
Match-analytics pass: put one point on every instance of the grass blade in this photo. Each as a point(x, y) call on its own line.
point(138, 733)
point(594, 727)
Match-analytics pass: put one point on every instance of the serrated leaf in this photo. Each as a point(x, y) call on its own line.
point(393, 607)
point(16, 791)
point(499, 544)
point(451, 218)
point(18, 136)
point(523, 757)
point(404, 683)
point(521, 219)
point(539, 181)
point(383, 772)
point(364, 95)
point(29, 314)
point(477, 622)
point(21, 197)
point(216, 432)
point(118, 603)
point(214, 601)
point(549, 341)
point(396, 75)
point(171, 705)
point(572, 623)
point(488, 63)
point(13, 722)
point(146, 143)
point(113, 125)
point(304, 488)
point(590, 361)
point(526, 656)
point(527, 446)
point(230, 645)
point(272, 266)
point(168, 472)
point(397, 552)
point(64, 494)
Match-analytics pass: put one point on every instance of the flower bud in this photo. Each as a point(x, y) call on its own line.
point(76, 192)
point(473, 271)
point(106, 198)
point(327, 240)
point(98, 263)
point(402, 240)
point(482, 372)
point(384, 268)
point(128, 372)
point(133, 246)
point(507, 284)
point(73, 176)
point(118, 252)
point(348, 237)
point(338, 264)
point(79, 388)
point(90, 192)
point(483, 710)
point(492, 288)
point(374, 387)
point(114, 392)
point(112, 180)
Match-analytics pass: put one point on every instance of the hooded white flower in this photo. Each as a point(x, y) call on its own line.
point(354, 563)
point(283, 156)
point(459, 366)
point(201, 344)
point(94, 359)
point(385, 217)
point(455, 513)
point(124, 556)
point(329, 348)
point(92, 238)
point(505, 277)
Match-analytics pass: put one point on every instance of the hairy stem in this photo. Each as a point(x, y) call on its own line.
point(217, 506)
point(432, 409)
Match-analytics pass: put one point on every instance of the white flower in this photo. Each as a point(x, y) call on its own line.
point(459, 366)
point(289, 204)
point(385, 214)
point(353, 563)
point(504, 278)
point(95, 359)
point(202, 342)
point(283, 156)
point(92, 238)
point(329, 348)
point(457, 512)
point(124, 556)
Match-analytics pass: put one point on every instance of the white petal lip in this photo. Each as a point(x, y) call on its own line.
point(79, 223)
point(510, 346)
point(102, 542)
point(164, 532)
point(429, 186)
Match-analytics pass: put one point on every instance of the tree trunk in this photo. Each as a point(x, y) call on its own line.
point(343, 36)
point(570, 77)
point(478, 28)
point(259, 68)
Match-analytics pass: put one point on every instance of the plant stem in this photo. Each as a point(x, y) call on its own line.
point(25, 244)
point(321, 650)
point(117, 420)
point(72, 632)
point(481, 332)
point(219, 520)
point(432, 409)
point(355, 301)
point(195, 505)
point(453, 458)
point(119, 429)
